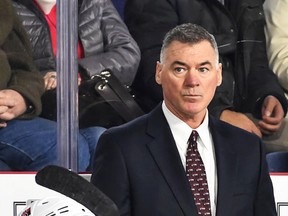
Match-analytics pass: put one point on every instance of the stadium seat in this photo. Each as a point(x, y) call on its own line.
point(277, 161)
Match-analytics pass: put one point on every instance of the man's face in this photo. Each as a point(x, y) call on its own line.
point(189, 75)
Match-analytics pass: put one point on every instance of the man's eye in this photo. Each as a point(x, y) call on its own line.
point(203, 70)
point(179, 70)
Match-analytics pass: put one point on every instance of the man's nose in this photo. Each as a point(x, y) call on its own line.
point(191, 78)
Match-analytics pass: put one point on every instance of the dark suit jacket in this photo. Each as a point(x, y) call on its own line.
point(138, 166)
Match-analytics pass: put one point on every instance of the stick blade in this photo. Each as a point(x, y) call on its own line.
point(77, 188)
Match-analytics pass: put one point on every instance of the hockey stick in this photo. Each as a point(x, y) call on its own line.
point(76, 187)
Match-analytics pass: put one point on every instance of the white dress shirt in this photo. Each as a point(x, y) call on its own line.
point(181, 133)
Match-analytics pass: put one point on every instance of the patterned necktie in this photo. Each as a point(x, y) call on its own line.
point(196, 175)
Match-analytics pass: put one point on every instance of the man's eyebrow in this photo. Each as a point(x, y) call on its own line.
point(205, 63)
point(179, 63)
point(184, 64)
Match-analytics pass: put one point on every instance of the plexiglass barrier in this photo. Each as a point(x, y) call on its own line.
point(67, 87)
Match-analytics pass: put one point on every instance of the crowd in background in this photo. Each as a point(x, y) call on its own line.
point(211, 122)
point(128, 43)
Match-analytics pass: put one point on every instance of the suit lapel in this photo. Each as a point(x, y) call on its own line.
point(165, 153)
point(225, 163)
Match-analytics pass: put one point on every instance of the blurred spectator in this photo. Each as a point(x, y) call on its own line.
point(104, 44)
point(28, 144)
point(104, 40)
point(277, 38)
point(248, 86)
point(26, 141)
point(276, 32)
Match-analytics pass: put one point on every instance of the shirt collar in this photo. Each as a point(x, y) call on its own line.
point(180, 127)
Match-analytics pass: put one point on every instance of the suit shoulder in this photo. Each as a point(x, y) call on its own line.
point(127, 132)
point(132, 125)
point(231, 130)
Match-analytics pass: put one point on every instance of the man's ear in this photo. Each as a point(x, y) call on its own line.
point(158, 73)
point(219, 74)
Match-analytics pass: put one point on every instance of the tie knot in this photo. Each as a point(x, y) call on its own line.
point(193, 137)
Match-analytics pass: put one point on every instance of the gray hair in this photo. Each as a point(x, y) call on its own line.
point(189, 33)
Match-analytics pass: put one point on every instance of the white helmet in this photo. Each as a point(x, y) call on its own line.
point(56, 206)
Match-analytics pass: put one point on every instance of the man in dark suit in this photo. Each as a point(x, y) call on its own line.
point(145, 165)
